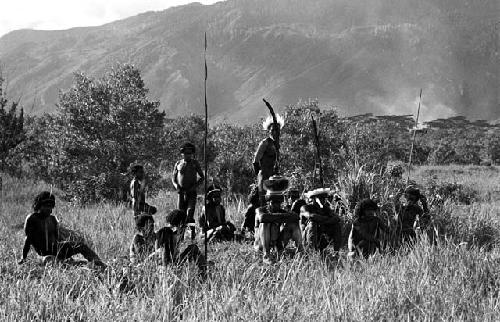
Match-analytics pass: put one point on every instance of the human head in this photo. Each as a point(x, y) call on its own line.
point(214, 194)
point(188, 150)
point(412, 194)
point(366, 207)
point(44, 203)
point(292, 195)
point(176, 218)
point(145, 224)
point(274, 200)
point(137, 171)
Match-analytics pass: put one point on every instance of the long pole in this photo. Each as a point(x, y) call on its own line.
point(205, 148)
point(318, 153)
point(413, 139)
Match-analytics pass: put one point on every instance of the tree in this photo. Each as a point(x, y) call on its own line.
point(11, 131)
point(103, 126)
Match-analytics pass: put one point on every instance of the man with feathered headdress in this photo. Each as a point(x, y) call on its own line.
point(266, 157)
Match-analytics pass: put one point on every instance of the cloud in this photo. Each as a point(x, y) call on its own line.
point(64, 14)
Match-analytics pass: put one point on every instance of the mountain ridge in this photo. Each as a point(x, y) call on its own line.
point(355, 58)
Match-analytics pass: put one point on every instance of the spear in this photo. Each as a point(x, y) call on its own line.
point(413, 139)
point(205, 147)
point(318, 154)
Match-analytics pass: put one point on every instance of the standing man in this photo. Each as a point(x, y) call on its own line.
point(265, 160)
point(186, 178)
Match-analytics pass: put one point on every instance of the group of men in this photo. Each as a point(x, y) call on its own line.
point(276, 215)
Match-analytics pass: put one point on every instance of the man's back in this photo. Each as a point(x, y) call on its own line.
point(42, 233)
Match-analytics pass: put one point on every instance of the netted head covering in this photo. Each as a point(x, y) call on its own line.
point(213, 190)
point(44, 198)
point(320, 192)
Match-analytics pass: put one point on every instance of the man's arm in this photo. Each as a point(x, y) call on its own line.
point(28, 230)
point(174, 177)
point(26, 250)
point(134, 192)
point(200, 173)
point(258, 155)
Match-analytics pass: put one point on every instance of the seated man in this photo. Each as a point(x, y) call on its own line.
point(169, 239)
point(138, 189)
point(320, 224)
point(143, 243)
point(410, 215)
point(42, 232)
point(213, 218)
point(274, 226)
point(364, 238)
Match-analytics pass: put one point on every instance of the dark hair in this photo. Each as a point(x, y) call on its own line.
point(141, 220)
point(280, 198)
point(365, 204)
point(44, 198)
point(135, 168)
point(176, 217)
point(188, 146)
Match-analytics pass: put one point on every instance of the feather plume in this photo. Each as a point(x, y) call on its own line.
point(269, 121)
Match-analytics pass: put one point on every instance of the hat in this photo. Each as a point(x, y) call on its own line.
point(44, 198)
point(268, 122)
point(276, 184)
point(318, 192)
point(213, 190)
point(188, 146)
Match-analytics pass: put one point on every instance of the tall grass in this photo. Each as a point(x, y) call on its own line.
point(448, 281)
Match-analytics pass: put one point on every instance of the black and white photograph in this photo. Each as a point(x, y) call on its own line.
point(250, 160)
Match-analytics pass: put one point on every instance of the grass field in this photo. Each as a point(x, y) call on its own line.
point(451, 281)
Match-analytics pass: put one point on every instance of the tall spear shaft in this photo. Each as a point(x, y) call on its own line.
point(413, 139)
point(205, 148)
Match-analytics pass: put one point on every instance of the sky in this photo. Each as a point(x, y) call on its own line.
point(64, 14)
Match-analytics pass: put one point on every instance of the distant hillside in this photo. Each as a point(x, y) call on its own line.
point(360, 56)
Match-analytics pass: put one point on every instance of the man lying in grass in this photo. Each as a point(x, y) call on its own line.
point(42, 233)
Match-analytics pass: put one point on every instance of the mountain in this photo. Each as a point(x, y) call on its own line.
point(356, 55)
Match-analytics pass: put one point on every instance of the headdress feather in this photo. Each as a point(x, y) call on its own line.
point(269, 121)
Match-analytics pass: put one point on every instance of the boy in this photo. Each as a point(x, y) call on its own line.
point(138, 190)
point(213, 218)
point(143, 243)
point(410, 214)
point(365, 230)
point(185, 180)
point(42, 233)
